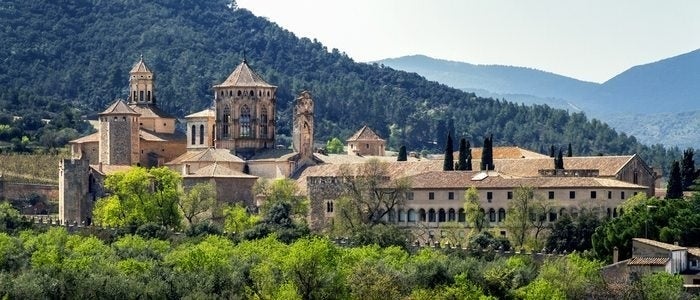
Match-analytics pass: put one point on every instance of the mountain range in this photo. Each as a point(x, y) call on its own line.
point(655, 102)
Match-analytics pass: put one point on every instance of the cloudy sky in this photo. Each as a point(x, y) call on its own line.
point(590, 40)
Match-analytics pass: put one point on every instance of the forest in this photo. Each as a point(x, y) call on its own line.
point(68, 60)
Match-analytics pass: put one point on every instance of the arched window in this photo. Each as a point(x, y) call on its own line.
point(193, 134)
point(402, 215)
point(239, 93)
point(149, 95)
point(411, 215)
point(501, 215)
point(226, 119)
point(492, 215)
point(421, 215)
point(245, 121)
point(609, 212)
point(252, 93)
point(431, 215)
point(441, 215)
point(268, 93)
point(259, 93)
point(263, 122)
point(391, 216)
point(451, 215)
point(201, 134)
point(461, 215)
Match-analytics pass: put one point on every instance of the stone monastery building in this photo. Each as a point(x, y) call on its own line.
point(232, 144)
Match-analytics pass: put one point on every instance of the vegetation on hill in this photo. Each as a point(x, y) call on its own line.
point(79, 54)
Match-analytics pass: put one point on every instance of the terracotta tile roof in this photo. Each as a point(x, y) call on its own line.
point(661, 245)
point(353, 159)
point(272, 154)
point(206, 155)
point(364, 134)
point(244, 76)
point(140, 67)
point(95, 137)
point(110, 169)
point(608, 166)
point(150, 111)
point(207, 113)
point(648, 261)
point(118, 108)
point(216, 170)
point(504, 153)
point(463, 179)
point(152, 136)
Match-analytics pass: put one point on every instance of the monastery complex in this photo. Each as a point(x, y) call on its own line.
point(232, 145)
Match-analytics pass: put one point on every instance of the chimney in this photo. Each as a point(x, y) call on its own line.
point(616, 255)
point(185, 169)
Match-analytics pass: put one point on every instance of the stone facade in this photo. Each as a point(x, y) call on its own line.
point(303, 131)
point(366, 143)
point(75, 201)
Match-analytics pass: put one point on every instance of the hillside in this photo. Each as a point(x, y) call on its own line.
point(650, 101)
point(79, 53)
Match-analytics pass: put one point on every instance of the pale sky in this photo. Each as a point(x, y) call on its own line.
point(591, 40)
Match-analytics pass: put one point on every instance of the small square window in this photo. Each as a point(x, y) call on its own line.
point(489, 196)
point(409, 195)
point(451, 195)
point(551, 195)
point(510, 195)
point(572, 195)
point(431, 196)
point(593, 194)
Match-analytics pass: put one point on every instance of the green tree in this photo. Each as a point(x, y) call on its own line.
point(402, 154)
point(448, 164)
point(487, 154)
point(475, 214)
point(237, 219)
point(575, 276)
point(674, 190)
point(335, 146)
point(518, 221)
point(10, 219)
point(463, 155)
point(197, 200)
point(569, 151)
point(140, 196)
point(282, 190)
point(661, 285)
point(688, 174)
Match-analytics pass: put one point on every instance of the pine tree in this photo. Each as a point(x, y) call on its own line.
point(462, 154)
point(402, 154)
point(674, 190)
point(688, 174)
point(569, 152)
point(449, 159)
point(487, 154)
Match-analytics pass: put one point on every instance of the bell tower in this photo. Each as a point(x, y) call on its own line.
point(303, 131)
point(141, 87)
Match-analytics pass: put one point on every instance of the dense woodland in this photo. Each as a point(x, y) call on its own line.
point(71, 58)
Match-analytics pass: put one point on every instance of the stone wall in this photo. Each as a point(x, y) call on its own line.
point(320, 190)
point(74, 203)
point(18, 190)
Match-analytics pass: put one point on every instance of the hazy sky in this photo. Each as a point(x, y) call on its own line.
point(591, 40)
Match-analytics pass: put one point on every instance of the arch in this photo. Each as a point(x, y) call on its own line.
point(259, 93)
point(252, 93)
point(193, 134)
point(461, 215)
point(609, 212)
point(451, 216)
point(201, 134)
point(263, 122)
point(431, 215)
point(244, 122)
point(239, 93)
point(421, 215)
point(402, 216)
point(411, 215)
point(230, 93)
point(441, 215)
point(268, 93)
point(391, 216)
point(492, 215)
point(226, 119)
point(501, 214)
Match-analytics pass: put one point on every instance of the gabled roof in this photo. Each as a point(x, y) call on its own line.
point(91, 138)
point(153, 136)
point(244, 76)
point(150, 111)
point(504, 152)
point(607, 166)
point(364, 134)
point(140, 67)
point(207, 113)
point(648, 261)
point(661, 245)
point(110, 169)
point(206, 155)
point(118, 108)
point(216, 170)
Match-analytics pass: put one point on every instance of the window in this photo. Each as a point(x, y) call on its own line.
point(593, 194)
point(609, 194)
point(409, 195)
point(635, 177)
point(501, 215)
point(329, 206)
point(552, 216)
point(431, 196)
point(450, 195)
point(441, 215)
point(201, 134)
point(263, 123)
point(140, 96)
point(622, 195)
point(451, 216)
point(411, 215)
point(461, 215)
point(572, 195)
point(402, 215)
point(193, 132)
point(226, 119)
point(510, 195)
point(239, 93)
point(431, 215)
point(489, 196)
point(367, 146)
point(245, 121)
point(551, 195)
point(492, 215)
point(421, 215)
point(149, 95)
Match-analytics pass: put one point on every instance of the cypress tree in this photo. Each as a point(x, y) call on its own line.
point(462, 154)
point(402, 154)
point(674, 190)
point(449, 164)
point(469, 157)
point(487, 154)
point(559, 161)
point(688, 168)
point(569, 152)
point(552, 152)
